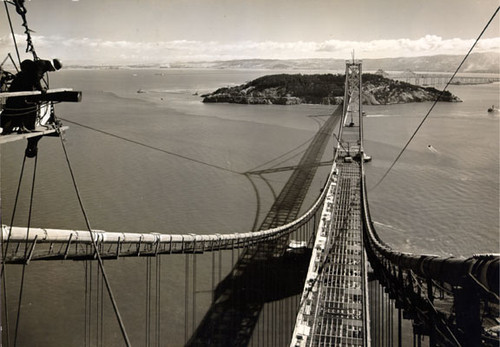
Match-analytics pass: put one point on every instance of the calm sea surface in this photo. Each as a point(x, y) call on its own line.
point(441, 198)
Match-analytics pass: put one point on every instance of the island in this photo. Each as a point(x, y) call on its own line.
point(325, 89)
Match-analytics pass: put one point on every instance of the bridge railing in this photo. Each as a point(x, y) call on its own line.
point(452, 300)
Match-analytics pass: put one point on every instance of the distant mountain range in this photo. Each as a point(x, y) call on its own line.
point(476, 62)
point(488, 62)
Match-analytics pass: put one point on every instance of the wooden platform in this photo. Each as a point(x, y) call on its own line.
point(31, 93)
point(39, 131)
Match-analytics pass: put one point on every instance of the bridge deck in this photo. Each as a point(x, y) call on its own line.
point(332, 313)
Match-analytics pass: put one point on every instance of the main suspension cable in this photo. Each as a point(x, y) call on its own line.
point(436, 101)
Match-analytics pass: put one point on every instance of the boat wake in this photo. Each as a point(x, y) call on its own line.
point(432, 149)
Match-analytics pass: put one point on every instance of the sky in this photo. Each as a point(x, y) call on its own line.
point(167, 31)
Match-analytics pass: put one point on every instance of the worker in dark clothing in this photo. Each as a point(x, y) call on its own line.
point(18, 112)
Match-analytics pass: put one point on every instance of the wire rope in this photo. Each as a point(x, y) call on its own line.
point(102, 314)
point(86, 303)
point(5, 249)
point(12, 32)
point(21, 287)
point(148, 301)
point(151, 147)
point(90, 305)
point(98, 255)
point(158, 300)
point(436, 101)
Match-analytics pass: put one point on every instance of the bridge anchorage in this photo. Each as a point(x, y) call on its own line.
point(324, 278)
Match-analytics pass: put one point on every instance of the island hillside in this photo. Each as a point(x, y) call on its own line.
point(326, 89)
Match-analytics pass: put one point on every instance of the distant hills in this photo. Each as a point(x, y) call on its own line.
point(488, 62)
point(476, 62)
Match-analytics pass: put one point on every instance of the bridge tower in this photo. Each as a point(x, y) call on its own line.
point(353, 71)
point(353, 110)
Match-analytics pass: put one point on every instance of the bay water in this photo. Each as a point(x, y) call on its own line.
point(152, 157)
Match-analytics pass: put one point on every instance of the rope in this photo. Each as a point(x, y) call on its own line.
point(12, 32)
point(98, 255)
point(21, 288)
point(21, 10)
point(29, 110)
point(437, 99)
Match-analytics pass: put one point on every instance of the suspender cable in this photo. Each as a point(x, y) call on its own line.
point(158, 300)
point(86, 302)
point(90, 305)
point(193, 319)
point(186, 299)
point(5, 249)
point(102, 315)
point(148, 300)
point(437, 99)
point(98, 305)
point(21, 288)
point(7, 335)
point(94, 244)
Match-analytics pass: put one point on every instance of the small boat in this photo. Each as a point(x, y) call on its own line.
point(493, 109)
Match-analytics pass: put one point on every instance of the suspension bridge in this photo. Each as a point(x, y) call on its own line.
point(323, 278)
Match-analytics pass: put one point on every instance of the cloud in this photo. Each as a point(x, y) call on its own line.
point(427, 45)
point(98, 51)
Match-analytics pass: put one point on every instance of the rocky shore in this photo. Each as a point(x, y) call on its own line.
point(327, 89)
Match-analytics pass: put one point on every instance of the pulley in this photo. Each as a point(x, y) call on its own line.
point(32, 147)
